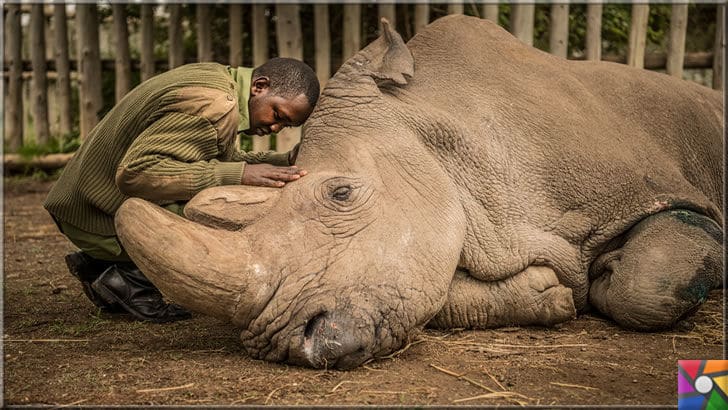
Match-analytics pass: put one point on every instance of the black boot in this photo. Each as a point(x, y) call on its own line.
point(125, 285)
point(87, 269)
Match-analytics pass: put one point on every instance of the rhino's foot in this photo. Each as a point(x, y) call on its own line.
point(662, 273)
point(532, 297)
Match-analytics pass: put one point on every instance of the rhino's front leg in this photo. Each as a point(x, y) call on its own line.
point(663, 271)
point(532, 297)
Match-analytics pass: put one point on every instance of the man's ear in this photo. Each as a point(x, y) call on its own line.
point(259, 85)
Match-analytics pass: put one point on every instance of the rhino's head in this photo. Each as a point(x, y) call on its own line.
point(335, 268)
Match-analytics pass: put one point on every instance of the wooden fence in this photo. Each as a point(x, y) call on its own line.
point(58, 32)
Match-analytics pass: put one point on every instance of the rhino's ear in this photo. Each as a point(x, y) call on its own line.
point(386, 59)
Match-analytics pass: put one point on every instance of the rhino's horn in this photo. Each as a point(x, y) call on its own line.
point(200, 268)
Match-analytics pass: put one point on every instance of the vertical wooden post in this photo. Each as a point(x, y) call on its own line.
point(14, 102)
point(63, 68)
point(89, 66)
point(290, 44)
point(389, 12)
point(235, 36)
point(147, 46)
point(352, 31)
point(422, 16)
point(122, 55)
point(638, 35)
point(676, 43)
point(490, 12)
point(260, 56)
point(40, 81)
point(204, 34)
point(559, 30)
point(323, 43)
point(51, 90)
point(719, 48)
point(522, 20)
point(455, 8)
point(593, 49)
point(260, 34)
point(288, 30)
point(176, 48)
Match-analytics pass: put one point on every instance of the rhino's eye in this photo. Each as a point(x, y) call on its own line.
point(341, 193)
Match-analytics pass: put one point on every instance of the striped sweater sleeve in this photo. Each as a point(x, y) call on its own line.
point(174, 159)
point(267, 157)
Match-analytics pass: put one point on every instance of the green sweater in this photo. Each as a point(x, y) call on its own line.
point(169, 138)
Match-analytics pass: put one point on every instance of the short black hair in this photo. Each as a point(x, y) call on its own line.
point(289, 78)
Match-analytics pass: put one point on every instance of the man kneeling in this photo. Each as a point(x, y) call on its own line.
point(169, 138)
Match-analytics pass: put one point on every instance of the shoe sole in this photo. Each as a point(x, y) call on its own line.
point(110, 297)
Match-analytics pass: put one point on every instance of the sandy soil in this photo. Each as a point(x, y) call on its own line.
point(58, 349)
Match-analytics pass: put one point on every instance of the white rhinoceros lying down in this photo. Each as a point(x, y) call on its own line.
point(460, 180)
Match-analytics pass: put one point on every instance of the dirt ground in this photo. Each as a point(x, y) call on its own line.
point(59, 350)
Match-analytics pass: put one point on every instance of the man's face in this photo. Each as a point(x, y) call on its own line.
point(271, 113)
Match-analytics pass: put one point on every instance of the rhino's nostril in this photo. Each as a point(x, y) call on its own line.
point(331, 339)
point(314, 324)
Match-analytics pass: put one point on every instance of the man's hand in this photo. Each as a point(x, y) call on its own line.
point(270, 175)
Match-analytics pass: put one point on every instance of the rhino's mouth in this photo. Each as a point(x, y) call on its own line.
point(334, 333)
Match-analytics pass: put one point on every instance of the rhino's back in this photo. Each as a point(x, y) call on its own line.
point(594, 122)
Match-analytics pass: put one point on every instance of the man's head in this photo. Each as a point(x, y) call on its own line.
point(283, 92)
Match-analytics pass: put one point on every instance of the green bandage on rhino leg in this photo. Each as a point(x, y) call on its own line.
point(663, 272)
point(533, 296)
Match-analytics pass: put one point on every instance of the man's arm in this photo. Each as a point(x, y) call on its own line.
point(175, 158)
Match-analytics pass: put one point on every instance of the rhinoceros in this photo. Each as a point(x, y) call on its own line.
point(460, 180)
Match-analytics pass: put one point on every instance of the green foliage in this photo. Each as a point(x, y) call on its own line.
point(246, 142)
point(56, 145)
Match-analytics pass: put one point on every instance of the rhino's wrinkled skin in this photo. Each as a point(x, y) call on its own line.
point(461, 180)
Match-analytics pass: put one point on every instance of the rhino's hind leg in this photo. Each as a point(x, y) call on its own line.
point(532, 297)
point(662, 272)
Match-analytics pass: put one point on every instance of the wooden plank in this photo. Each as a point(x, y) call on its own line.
point(235, 35)
point(17, 163)
point(638, 35)
point(14, 58)
point(719, 48)
point(388, 11)
point(593, 49)
point(62, 67)
point(653, 61)
point(422, 16)
point(288, 30)
point(559, 30)
point(122, 56)
point(455, 8)
point(39, 101)
point(322, 43)
point(676, 42)
point(260, 56)
point(90, 100)
point(290, 44)
point(204, 33)
point(176, 48)
point(522, 20)
point(147, 39)
point(490, 12)
point(352, 30)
